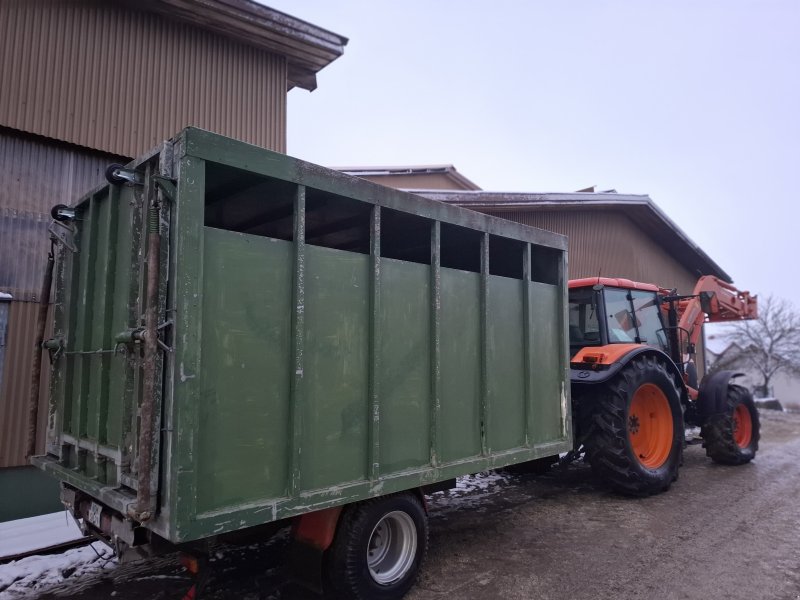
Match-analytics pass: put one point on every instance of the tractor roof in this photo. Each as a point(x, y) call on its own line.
point(613, 282)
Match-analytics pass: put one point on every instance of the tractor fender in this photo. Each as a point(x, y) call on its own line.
point(584, 375)
point(713, 394)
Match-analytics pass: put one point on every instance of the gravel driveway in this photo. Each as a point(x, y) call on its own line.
point(720, 532)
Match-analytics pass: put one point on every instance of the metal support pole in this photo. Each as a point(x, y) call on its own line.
point(36, 372)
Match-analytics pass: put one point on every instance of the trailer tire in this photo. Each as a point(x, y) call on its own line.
point(731, 437)
point(378, 549)
point(111, 174)
point(634, 438)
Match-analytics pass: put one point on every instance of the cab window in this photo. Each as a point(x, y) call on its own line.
point(648, 317)
point(584, 328)
point(621, 323)
point(634, 317)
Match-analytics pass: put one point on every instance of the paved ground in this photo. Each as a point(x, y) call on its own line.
point(720, 532)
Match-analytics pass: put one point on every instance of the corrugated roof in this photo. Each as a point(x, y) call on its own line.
point(639, 208)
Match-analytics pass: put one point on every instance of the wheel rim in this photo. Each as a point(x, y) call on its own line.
point(392, 547)
point(650, 426)
point(742, 426)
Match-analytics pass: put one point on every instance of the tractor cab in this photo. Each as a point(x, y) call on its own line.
point(605, 311)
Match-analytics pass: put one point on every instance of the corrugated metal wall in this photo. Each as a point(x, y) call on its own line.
point(35, 175)
point(609, 243)
point(120, 80)
point(95, 74)
point(16, 386)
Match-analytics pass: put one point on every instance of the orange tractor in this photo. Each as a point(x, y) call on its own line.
point(634, 380)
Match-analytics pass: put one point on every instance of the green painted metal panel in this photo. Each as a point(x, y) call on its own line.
point(547, 372)
point(335, 413)
point(299, 376)
point(460, 413)
point(182, 473)
point(97, 286)
point(243, 411)
point(405, 373)
point(506, 366)
point(118, 401)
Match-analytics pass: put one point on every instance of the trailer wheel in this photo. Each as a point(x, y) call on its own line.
point(634, 439)
point(111, 174)
point(378, 548)
point(731, 438)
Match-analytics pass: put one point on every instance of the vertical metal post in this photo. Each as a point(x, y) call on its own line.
point(375, 343)
point(485, 344)
point(150, 343)
point(527, 340)
point(435, 316)
point(566, 403)
point(36, 372)
point(298, 339)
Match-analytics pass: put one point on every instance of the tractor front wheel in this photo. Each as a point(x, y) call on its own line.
point(634, 440)
point(731, 437)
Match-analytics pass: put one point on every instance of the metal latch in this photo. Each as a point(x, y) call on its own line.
point(132, 336)
point(55, 347)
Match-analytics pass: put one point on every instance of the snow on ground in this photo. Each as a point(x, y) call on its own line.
point(24, 576)
point(470, 490)
point(30, 576)
point(35, 533)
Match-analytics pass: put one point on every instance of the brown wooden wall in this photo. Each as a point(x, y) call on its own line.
point(120, 80)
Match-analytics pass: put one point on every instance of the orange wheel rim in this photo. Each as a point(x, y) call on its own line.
point(650, 426)
point(742, 426)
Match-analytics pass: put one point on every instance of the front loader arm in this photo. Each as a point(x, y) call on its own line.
point(714, 301)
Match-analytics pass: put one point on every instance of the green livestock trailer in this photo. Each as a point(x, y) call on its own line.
point(244, 339)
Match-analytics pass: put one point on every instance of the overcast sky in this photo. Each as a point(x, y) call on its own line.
point(695, 103)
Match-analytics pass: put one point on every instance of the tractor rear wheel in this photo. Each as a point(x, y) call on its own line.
point(634, 440)
point(731, 438)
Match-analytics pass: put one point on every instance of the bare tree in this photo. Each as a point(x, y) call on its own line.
point(769, 344)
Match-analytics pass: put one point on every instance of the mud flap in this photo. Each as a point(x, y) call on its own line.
point(312, 535)
point(713, 394)
point(305, 565)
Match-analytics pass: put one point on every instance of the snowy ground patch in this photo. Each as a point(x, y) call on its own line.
point(22, 577)
point(470, 490)
point(36, 533)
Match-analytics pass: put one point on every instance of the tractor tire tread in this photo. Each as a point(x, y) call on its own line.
point(606, 441)
point(718, 435)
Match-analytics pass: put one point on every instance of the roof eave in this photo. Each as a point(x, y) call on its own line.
point(307, 48)
point(636, 207)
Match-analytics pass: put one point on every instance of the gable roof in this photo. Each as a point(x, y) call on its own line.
point(447, 172)
point(308, 48)
point(639, 208)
